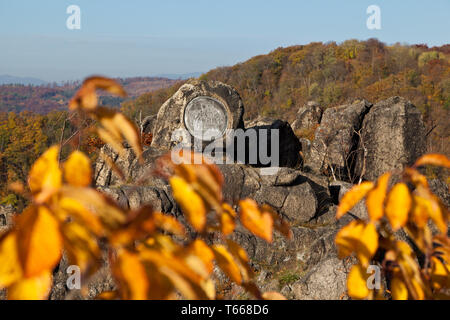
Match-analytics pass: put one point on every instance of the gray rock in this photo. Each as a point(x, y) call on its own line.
point(334, 145)
point(326, 281)
point(103, 173)
point(308, 116)
point(289, 146)
point(441, 189)
point(149, 123)
point(393, 135)
point(171, 114)
point(6, 217)
point(360, 209)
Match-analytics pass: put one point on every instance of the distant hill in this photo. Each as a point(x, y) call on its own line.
point(45, 98)
point(7, 79)
point(183, 76)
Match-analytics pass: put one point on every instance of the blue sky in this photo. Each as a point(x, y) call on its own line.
point(143, 38)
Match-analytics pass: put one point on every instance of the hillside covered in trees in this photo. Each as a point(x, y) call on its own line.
point(277, 84)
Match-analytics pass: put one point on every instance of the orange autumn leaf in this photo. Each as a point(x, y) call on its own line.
point(352, 197)
point(440, 274)
point(375, 198)
point(190, 202)
point(68, 207)
point(205, 253)
point(81, 247)
point(436, 211)
point(399, 290)
point(259, 223)
point(168, 223)
point(34, 288)
point(357, 282)
point(116, 126)
point(357, 237)
point(10, 270)
point(272, 295)
point(433, 159)
point(227, 263)
point(131, 275)
point(45, 175)
point(77, 169)
point(398, 204)
point(242, 259)
point(227, 219)
point(39, 241)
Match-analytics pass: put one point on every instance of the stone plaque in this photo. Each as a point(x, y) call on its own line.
point(206, 118)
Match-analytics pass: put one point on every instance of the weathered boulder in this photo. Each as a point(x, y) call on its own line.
point(6, 217)
point(268, 132)
point(148, 123)
point(103, 173)
point(335, 140)
point(393, 135)
point(308, 117)
point(219, 105)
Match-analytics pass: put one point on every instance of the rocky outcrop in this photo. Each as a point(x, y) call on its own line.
point(393, 135)
point(307, 266)
point(308, 117)
point(171, 114)
point(334, 145)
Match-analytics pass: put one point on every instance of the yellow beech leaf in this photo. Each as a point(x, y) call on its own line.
point(227, 221)
point(140, 225)
point(68, 207)
point(272, 295)
point(440, 274)
point(433, 159)
point(239, 253)
point(357, 237)
point(34, 288)
point(259, 223)
point(45, 175)
point(357, 282)
point(420, 211)
point(111, 215)
point(81, 247)
point(226, 262)
point(168, 223)
point(352, 197)
point(39, 240)
point(187, 281)
point(416, 177)
point(201, 250)
point(131, 274)
point(115, 126)
point(190, 202)
point(398, 205)
point(399, 290)
point(437, 212)
point(10, 270)
point(375, 198)
point(77, 169)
